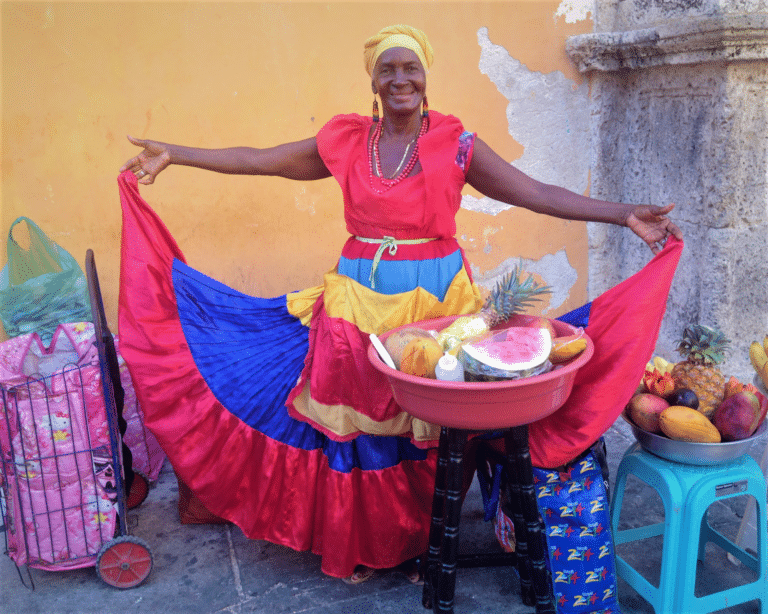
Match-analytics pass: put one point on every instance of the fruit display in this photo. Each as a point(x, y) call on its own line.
point(703, 349)
point(525, 346)
point(692, 400)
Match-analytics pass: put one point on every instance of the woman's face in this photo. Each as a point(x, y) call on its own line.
point(399, 79)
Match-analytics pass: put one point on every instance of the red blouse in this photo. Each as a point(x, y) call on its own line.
point(421, 206)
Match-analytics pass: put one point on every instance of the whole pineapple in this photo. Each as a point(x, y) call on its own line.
point(510, 296)
point(703, 349)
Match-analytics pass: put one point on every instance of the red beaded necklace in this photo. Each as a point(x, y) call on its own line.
point(375, 159)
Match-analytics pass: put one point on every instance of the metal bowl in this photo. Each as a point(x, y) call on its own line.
point(759, 385)
point(694, 453)
point(482, 405)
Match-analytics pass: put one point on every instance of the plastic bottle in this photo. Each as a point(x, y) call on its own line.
point(449, 369)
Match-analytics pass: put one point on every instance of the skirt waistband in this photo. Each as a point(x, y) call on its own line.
point(391, 244)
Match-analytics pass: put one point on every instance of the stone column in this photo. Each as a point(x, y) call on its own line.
point(679, 106)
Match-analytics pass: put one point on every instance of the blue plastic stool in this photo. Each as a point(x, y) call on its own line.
point(686, 492)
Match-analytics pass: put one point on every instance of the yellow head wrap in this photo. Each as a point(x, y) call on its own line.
point(397, 36)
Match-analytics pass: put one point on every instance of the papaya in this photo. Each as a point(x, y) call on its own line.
point(420, 357)
point(687, 424)
point(395, 343)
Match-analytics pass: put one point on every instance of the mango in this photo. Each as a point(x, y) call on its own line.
point(644, 409)
point(738, 416)
point(565, 348)
point(688, 424)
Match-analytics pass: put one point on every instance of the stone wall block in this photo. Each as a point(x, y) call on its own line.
point(675, 39)
point(603, 270)
point(679, 113)
point(747, 147)
point(632, 14)
point(735, 296)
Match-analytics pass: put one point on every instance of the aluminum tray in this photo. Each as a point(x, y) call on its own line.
point(695, 453)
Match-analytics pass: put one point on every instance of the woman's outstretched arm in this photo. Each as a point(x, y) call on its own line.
point(298, 160)
point(492, 176)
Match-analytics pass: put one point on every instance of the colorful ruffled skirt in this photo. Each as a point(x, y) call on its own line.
point(269, 409)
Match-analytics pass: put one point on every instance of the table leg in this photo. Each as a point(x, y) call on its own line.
point(536, 545)
point(436, 526)
point(449, 549)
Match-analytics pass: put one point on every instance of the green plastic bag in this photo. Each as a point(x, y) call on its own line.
point(41, 287)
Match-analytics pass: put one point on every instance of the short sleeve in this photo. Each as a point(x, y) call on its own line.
point(466, 148)
point(338, 139)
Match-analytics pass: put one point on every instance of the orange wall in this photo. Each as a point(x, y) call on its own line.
point(77, 78)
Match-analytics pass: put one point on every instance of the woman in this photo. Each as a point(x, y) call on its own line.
point(347, 465)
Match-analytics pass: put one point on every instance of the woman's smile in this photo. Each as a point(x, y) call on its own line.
point(400, 80)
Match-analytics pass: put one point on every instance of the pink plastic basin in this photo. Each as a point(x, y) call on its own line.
point(482, 405)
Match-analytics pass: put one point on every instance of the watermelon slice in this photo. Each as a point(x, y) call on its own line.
point(508, 354)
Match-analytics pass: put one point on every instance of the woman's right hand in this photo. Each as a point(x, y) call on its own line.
point(148, 164)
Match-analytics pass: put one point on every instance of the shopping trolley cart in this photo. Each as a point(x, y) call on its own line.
point(63, 484)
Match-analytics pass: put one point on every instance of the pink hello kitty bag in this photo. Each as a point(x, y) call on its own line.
point(57, 464)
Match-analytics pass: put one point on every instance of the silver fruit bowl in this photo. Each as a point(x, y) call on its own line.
point(691, 453)
point(759, 385)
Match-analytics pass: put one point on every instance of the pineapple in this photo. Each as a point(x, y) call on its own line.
point(703, 349)
point(510, 296)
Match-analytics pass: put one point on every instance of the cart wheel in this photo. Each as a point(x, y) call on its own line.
point(139, 491)
point(124, 562)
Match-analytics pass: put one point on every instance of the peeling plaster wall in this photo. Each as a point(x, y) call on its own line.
point(549, 115)
point(574, 11)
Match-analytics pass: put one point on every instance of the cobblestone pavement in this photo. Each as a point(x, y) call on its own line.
point(214, 568)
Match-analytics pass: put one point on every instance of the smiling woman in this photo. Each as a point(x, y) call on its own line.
point(400, 80)
point(318, 454)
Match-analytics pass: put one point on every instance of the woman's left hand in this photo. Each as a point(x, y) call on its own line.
point(652, 225)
